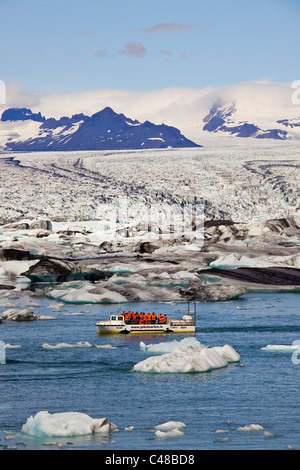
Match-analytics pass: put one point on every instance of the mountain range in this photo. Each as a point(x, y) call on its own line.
point(104, 130)
point(221, 119)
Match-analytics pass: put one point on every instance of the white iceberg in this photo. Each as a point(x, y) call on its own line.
point(170, 425)
point(168, 346)
point(281, 348)
point(80, 344)
point(187, 359)
point(169, 434)
point(44, 424)
point(251, 428)
point(169, 429)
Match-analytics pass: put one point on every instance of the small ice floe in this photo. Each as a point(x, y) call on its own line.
point(251, 428)
point(281, 348)
point(105, 346)
point(170, 425)
point(221, 431)
point(46, 317)
point(168, 346)
point(169, 434)
point(80, 344)
point(268, 434)
point(44, 424)
point(169, 429)
point(12, 346)
point(72, 314)
point(129, 428)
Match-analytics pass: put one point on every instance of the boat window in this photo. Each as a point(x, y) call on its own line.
point(113, 318)
point(120, 318)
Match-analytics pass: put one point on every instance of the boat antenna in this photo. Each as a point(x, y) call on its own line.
point(195, 312)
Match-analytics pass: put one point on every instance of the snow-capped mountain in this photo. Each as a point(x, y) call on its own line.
point(222, 118)
point(104, 130)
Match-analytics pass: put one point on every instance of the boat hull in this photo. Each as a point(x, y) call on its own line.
point(143, 329)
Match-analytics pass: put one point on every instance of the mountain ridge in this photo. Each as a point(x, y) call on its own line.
point(104, 130)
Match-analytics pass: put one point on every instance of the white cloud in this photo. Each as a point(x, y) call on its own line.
point(261, 102)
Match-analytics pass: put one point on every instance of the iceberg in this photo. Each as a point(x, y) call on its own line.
point(44, 424)
point(80, 344)
point(168, 434)
point(169, 346)
point(251, 428)
point(170, 425)
point(281, 348)
point(169, 429)
point(187, 359)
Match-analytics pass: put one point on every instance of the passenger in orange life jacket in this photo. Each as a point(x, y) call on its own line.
point(160, 318)
point(153, 318)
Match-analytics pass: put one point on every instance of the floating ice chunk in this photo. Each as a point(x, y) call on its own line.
point(251, 428)
point(80, 344)
point(12, 346)
point(46, 317)
point(281, 348)
point(169, 425)
point(183, 360)
point(18, 315)
point(65, 424)
point(169, 434)
point(105, 346)
point(129, 428)
point(169, 346)
point(227, 352)
point(268, 434)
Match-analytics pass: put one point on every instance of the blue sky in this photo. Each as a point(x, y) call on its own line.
point(64, 46)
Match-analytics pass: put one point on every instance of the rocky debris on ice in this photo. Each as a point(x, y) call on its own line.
point(158, 269)
point(55, 270)
point(13, 314)
point(198, 292)
point(44, 424)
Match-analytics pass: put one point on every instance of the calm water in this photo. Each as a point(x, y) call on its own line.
point(101, 383)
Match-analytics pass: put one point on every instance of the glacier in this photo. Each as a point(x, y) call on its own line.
point(58, 222)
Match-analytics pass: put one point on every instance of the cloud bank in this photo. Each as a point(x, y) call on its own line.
point(261, 102)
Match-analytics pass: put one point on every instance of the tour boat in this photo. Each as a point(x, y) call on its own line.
point(118, 324)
